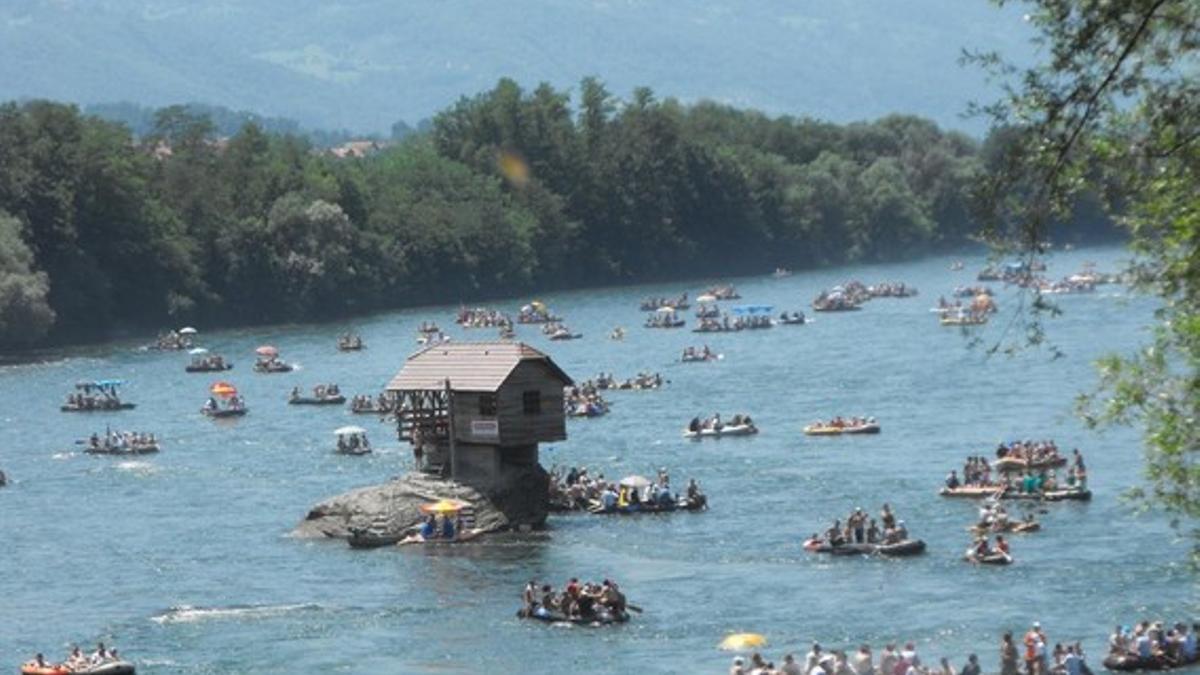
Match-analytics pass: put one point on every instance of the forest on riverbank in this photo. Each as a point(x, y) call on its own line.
point(510, 192)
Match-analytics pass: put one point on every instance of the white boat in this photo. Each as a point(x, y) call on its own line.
point(726, 430)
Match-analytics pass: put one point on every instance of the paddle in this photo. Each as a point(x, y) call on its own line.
point(634, 608)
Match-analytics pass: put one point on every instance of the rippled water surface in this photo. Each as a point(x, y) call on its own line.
point(182, 559)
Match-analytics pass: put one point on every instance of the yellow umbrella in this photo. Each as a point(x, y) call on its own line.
point(443, 507)
point(738, 641)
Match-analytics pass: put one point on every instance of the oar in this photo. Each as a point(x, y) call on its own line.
point(634, 608)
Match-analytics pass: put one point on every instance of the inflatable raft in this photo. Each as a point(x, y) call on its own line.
point(1011, 464)
point(727, 430)
point(313, 400)
point(1131, 662)
point(602, 618)
point(824, 430)
point(140, 449)
point(224, 412)
point(989, 559)
point(195, 368)
point(110, 668)
point(107, 407)
point(903, 548)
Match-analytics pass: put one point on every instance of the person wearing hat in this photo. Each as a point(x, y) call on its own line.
point(858, 522)
point(736, 668)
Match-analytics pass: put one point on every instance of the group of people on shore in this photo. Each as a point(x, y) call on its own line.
point(76, 660)
point(1031, 657)
point(861, 528)
point(582, 601)
point(1154, 645)
point(893, 660)
point(481, 317)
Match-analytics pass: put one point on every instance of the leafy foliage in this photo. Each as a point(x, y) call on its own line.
point(503, 193)
point(1114, 113)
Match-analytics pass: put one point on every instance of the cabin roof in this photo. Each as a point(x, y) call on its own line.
point(470, 366)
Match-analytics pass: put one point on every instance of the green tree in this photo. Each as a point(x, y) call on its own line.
point(1115, 110)
point(25, 313)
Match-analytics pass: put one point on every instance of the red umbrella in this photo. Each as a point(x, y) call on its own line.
point(223, 389)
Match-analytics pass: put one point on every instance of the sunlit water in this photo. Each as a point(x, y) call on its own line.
point(182, 559)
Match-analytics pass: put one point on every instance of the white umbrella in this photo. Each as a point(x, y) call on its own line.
point(707, 297)
point(666, 309)
point(187, 330)
point(348, 430)
point(198, 350)
point(638, 482)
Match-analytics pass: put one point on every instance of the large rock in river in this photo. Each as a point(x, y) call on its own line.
point(394, 506)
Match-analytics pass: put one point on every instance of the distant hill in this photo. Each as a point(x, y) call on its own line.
point(364, 64)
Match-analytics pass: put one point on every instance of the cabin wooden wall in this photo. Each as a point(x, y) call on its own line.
point(515, 427)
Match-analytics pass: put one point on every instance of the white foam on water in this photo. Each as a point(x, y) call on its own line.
point(190, 614)
point(135, 466)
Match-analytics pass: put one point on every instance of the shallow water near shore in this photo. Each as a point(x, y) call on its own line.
point(183, 560)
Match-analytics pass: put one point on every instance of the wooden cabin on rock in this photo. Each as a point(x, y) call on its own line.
point(476, 411)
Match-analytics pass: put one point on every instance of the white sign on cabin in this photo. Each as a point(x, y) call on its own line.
point(485, 428)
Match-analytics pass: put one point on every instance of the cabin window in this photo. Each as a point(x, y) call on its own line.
point(487, 405)
point(532, 402)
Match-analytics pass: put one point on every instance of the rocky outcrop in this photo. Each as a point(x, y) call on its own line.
point(394, 506)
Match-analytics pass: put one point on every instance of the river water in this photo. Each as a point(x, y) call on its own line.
point(183, 559)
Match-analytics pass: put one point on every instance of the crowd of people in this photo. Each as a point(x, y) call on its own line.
point(94, 396)
point(536, 312)
point(584, 401)
point(173, 340)
point(350, 342)
point(480, 317)
point(723, 292)
point(891, 289)
point(1031, 657)
point(715, 423)
point(1153, 646)
point(836, 299)
point(1032, 475)
point(603, 381)
point(664, 320)
point(556, 330)
point(364, 403)
point(656, 303)
point(708, 311)
point(861, 528)
point(738, 323)
point(578, 490)
point(893, 660)
point(208, 363)
point(76, 661)
point(577, 601)
point(321, 392)
point(120, 442)
point(702, 353)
